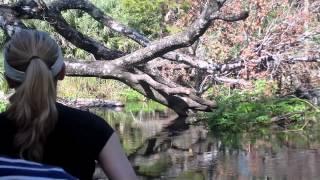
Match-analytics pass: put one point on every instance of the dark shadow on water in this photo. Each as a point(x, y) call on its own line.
point(176, 126)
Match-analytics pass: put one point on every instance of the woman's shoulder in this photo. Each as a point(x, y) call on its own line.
point(90, 129)
point(73, 114)
point(71, 111)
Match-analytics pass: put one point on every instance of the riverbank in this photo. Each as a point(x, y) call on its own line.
point(261, 107)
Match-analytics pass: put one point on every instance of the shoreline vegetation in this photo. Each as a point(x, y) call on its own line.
point(260, 108)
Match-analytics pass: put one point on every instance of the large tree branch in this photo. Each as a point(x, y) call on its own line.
point(32, 10)
point(180, 99)
point(8, 21)
point(59, 5)
point(101, 17)
point(139, 38)
point(170, 43)
point(232, 18)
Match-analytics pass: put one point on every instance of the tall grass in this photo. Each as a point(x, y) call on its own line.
point(92, 87)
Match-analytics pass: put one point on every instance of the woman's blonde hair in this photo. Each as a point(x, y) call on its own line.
point(33, 105)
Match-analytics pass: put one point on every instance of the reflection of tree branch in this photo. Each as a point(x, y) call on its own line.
point(163, 136)
point(162, 141)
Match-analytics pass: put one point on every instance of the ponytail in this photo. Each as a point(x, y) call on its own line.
point(33, 109)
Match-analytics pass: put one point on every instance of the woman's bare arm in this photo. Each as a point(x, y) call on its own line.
point(114, 161)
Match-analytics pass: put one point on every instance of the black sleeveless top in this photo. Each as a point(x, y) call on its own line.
point(74, 144)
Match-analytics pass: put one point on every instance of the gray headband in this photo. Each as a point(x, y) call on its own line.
point(19, 76)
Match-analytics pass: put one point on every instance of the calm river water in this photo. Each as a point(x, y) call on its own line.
point(162, 146)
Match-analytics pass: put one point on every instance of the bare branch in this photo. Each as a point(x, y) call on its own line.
point(232, 18)
point(108, 21)
point(170, 43)
point(311, 58)
point(101, 17)
point(8, 22)
point(180, 99)
point(31, 9)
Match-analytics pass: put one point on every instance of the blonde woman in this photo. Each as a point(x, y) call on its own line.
point(35, 127)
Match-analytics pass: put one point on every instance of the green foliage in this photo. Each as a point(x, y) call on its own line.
point(107, 6)
point(1, 63)
point(173, 29)
point(191, 175)
point(2, 38)
point(121, 43)
point(3, 86)
point(38, 24)
point(130, 95)
point(3, 106)
point(149, 106)
point(85, 23)
point(143, 15)
point(316, 39)
point(91, 87)
point(270, 18)
point(81, 87)
point(69, 50)
point(135, 102)
point(236, 50)
point(247, 110)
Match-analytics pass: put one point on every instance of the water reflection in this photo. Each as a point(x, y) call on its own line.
point(163, 146)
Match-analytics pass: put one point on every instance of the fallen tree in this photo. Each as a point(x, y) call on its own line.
point(132, 69)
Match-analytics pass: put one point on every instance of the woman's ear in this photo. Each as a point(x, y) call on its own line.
point(62, 73)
